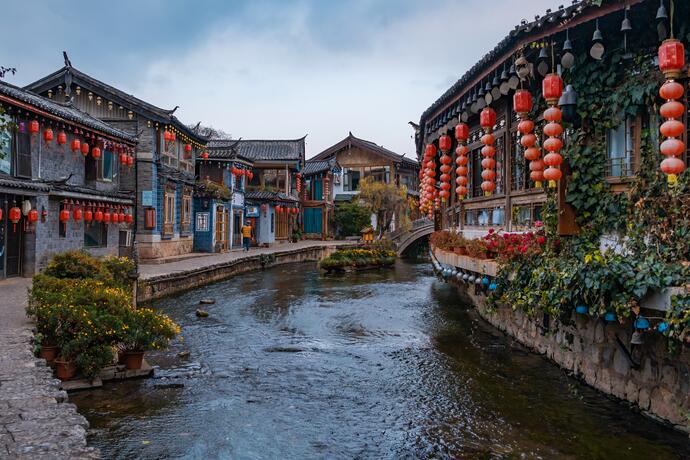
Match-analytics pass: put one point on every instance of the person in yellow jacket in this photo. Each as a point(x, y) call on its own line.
point(246, 235)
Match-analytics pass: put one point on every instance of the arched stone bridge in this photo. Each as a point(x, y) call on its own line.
point(421, 228)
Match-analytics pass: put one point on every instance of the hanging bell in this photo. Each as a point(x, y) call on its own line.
point(636, 338)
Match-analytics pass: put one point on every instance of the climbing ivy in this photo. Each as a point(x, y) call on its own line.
point(649, 226)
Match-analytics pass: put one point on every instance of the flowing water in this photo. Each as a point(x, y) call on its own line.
point(293, 364)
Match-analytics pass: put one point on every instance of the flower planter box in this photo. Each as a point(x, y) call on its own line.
point(116, 372)
point(487, 267)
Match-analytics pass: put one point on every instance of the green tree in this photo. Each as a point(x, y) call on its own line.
point(386, 201)
point(351, 218)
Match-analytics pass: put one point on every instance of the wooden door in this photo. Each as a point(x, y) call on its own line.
point(13, 247)
point(222, 219)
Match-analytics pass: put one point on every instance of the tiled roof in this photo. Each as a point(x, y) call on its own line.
point(127, 100)
point(264, 195)
point(344, 196)
point(317, 166)
point(549, 20)
point(23, 184)
point(351, 140)
point(64, 111)
point(258, 150)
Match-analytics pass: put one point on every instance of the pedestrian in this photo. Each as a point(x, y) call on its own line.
point(247, 235)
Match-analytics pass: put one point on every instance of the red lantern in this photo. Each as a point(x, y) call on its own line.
point(487, 119)
point(128, 218)
point(98, 216)
point(96, 153)
point(88, 215)
point(123, 159)
point(430, 151)
point(173, 137)
point(64, 214)
point(62, 138)
point(204, 155)
point(552, 88)
point(522, 102)
point(33, 127)
point(279, 209)
point(553, 114)
point(48, 135)
point(672, 128)
point(32, 216)
point(671, 58)
point(444, 143)
point(462, 132)
point(15, 215)
point(76, 145)
point(672, 147)
point(76, 214)
point(671, 90)
point(121, 216)
point(672, 166)
point(167, 136)
point(672, 109)
point(525, 126)
point(106, 217)
point(188, 148)
point(84, 149)
point(130, 161)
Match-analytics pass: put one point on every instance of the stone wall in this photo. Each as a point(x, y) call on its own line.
point(176, 282)
point(646, 375)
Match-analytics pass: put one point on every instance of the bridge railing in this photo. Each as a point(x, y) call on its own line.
point(416, 224)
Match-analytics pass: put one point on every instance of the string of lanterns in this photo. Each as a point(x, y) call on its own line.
point(95, 212)
point(552, 90)
point(487, 120)
point(290, 210)
point(428, 182)
point(171, 134)
point(671, 61)
point(445, 144)
point(462, 133)
point(522, 104)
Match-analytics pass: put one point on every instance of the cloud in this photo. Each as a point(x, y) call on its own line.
point(282, 69)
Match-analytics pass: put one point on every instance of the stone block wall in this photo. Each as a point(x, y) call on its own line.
point(646, 375)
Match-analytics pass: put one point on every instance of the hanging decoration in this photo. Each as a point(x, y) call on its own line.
point(62, 138)
point(96, 153)
point(76, 213)
point(98, 215)
point(15, 215)
point(84, 148)
point(33, 127)
point(487, 120)
point(671, 62)
point(522, 104)
point(445, 144)
point(48, 135)
point(462, 133)
point(552, 89)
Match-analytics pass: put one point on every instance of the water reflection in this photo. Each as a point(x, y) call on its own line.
point(384, 364)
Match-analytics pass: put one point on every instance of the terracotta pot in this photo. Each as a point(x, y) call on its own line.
point(49, 353)
point(120, 357)
point(133, 359)
point(65, 370)
point(460, 251)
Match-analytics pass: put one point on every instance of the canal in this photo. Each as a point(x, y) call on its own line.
point(387, 364)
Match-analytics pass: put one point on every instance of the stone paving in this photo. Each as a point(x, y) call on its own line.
point(36, 421)
point(206, 260)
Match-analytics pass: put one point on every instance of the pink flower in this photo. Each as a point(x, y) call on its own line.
point(538, 223)
point(491, 230)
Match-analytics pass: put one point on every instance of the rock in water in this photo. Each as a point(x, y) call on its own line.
point(201, 313)
point(207, 301)
point(183, 354)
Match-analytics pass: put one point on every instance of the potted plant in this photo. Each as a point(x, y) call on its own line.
point(476, 248)
point(65, 368)
point(145, 330)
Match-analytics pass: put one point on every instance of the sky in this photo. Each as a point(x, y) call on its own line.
point(269, 69)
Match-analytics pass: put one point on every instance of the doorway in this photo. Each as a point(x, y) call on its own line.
point(11, 239)
point(237, 229)
point(222, 218)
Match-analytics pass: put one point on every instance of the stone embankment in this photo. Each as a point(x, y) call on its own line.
point(36, 421)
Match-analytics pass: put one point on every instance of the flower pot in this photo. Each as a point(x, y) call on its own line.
point(120, 357)
point(65, 370)
point(49, 353)
point(133, 359)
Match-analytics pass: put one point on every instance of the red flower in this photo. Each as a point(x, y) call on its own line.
point(541, 240)
point(491, 230)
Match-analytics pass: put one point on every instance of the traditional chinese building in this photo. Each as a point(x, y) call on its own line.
point(359, 159)
point(61, 182)
point(163, 174)
point(272, 194)
point(219, 206)
point(318, 177)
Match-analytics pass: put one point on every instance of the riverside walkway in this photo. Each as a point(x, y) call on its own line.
point(36, 421)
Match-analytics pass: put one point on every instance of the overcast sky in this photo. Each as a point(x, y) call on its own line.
point(269, 69)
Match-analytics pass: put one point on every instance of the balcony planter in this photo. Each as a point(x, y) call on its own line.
point(133, 359)
point(461, 251)
point(65, 370)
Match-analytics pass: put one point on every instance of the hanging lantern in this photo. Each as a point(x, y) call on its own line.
point(671, 62)
point(62, 138)
point(671, 58)
point(444, 143)
point(76, 145)
point(106, 217)
point(187, 148)
point(121, 216)
point(33, 127)
point(88, 215)
point(430, 152)
point(522, 102)
point(15, 216)
point(167, 136)
point(279, 209)
point(64, 214)
point(462, 133)
point(204, 155)
point(84, 149)
point(552, 89)
point(77, 214)
point(130, 161)
point(487, 120)
point(129, 218)
point(123, 159)
point(98, 215)
point(48, 135)
point(32, 216)
point(96, 153)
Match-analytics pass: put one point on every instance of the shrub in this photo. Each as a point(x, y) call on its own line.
point(351, 218)
point(349, 258)
point(146, 329)
point(119, 269)
point(74, 265)
point(447, 241)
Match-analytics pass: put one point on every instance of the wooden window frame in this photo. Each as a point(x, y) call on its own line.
point(186, 213)
point(169, 197)
point(622, 183)
point(103, 237)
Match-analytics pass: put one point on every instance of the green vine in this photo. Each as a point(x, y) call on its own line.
point(648, 226)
